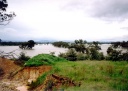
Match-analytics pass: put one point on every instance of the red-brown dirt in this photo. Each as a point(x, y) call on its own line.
point(56, 82)
point(29, 74)
point(14, 75)
point(8, 67)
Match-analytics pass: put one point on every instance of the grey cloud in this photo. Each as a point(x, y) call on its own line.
point(125, 28)
point(111, 9)
point(105, 9)
point(14, 31)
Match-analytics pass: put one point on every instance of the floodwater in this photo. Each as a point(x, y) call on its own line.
point(104, 48)
point(41, 48)
point(37, 49)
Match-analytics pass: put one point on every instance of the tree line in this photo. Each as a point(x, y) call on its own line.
point(10, 43)
point(23, 45)
point(82, 50)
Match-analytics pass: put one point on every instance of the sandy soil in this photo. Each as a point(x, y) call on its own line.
point(15, 78)
point(22, 88)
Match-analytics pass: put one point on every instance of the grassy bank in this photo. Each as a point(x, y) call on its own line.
point(95, 75)
point(43, 59)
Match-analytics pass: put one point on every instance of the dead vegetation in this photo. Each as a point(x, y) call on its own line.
point(9, 55)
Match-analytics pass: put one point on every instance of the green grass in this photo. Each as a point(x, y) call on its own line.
point(95, 75)
point(43, 59)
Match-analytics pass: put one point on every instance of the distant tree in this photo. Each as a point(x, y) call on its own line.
point(0, 40)
point(10, 43)
point(95, 54)
point(123, 44)
point(95, 44)
point(5, 17)
point(31, 44)
point(79, 46)
point(27, 45)
point(61, 44)
point(109, 50)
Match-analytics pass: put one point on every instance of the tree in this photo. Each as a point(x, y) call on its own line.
point(109, 50)
point(31, 44)
point(5, 17)
point(27, 45)
point(95, 44)
point(0, 40)
point(3, 5)
point(79, 46)
point(61, 44)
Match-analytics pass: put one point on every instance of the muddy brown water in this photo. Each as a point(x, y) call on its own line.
point(37, 49)
point(41, 48)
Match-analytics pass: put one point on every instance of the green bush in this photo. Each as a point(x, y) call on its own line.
point(96, 55)
point(114, 55)
point(82, 56)
point(71, 55)
point(124, 56)
point(101, 56)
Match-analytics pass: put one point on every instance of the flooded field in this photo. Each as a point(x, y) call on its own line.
point(41, 48)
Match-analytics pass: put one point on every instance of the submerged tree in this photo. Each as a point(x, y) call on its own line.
point(5, 17)
point(27, 45)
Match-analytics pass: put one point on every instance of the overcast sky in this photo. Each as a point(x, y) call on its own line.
point(91, 20)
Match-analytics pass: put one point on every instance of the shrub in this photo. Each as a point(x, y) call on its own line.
point(23, 57)
point(71, 55)
point(124, 56)
point(115, 55)
point(109, 50)
point(52, 53)
point(96, 55)
point(63, 55)
point(81, 56)
point(101, 56)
